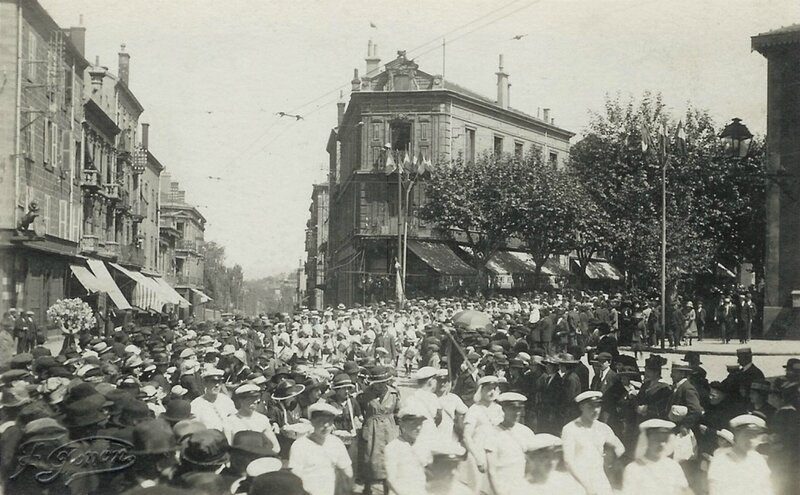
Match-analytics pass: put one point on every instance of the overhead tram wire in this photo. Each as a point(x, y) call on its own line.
point(296, 110)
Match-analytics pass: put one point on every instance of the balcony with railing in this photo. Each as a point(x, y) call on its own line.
point(90, 179)
point(89, 244)
point(191, 245)
point(387, 225)
point(190, 280)
point(111, 191)
point(108, 249)
point(131, 255)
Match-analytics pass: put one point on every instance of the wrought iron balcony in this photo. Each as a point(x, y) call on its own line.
point(109, 249)
point(111, 191)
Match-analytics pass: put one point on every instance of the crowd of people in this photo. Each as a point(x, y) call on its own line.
point(447, 396)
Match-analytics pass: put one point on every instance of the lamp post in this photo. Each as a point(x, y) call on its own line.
point(736, 139)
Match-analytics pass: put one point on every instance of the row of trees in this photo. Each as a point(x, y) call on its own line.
point(608, 198)
point(224, 284)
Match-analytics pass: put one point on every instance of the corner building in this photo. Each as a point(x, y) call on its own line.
point(426, 116)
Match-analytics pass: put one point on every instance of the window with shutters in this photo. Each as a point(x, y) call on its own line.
point(76, 222)
point(498, 145)
point(67, 88)
point(63, 219)
point(33, 56)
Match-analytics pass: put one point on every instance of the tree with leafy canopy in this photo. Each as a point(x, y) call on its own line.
point(711, 212)
point(558, 216)
point(477, 203)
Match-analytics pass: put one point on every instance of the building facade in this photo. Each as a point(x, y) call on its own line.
point(406, 110)
point(183, 227)
point(40, 139)
point(781, 47)
point(316, 246)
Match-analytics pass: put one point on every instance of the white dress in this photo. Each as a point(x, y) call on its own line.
point(583, 453)
point(728, 474)
point(662, 477)
point(255, 422)
point(478, 424)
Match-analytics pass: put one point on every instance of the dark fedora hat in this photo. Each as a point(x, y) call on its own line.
point(177, 410)
point(153, 437)
point(283, 482)
point(205, 448)
point(252, 442)
point(84, 412)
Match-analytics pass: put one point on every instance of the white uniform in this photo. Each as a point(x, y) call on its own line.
point(505, 455)
point(316, 464)
point(729, 474)
point(583, 453)
point(662, 477)
point(558, 482)
point(213, 414)
point(405, 466)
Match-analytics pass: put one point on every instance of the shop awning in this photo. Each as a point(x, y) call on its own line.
point(86, 278)
point(107, 283)
point(171, 295)
point(146, 294)
point(440, 258)
point(204, 298)
point(527, 260)
point(603, 270)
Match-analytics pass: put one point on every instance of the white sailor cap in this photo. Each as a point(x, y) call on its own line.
point(323, 408)
point(511, 397)
point(425, 372)
point(593, 395)
point(543, 441)
point(656, 424)
point(748, 421)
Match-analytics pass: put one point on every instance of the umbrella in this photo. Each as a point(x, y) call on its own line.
point(472, 319)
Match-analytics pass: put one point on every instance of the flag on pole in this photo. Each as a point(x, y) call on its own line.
point(661, 138)
point(424, 165)
point(398, 281)
point(407, 168)
point(680, 138)
point(391, 166)
point(647, 140)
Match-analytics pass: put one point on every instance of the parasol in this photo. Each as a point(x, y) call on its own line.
point(472, 319)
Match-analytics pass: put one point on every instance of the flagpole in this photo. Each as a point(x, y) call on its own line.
point(663, 248)
point(399, 224)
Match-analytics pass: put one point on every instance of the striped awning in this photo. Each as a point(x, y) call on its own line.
point(107, 283)
point(170, 294)
point(86, 278)
point(146, 294)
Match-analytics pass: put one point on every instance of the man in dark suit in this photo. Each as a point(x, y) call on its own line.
point(550, 399)
point(685, 394)
point(606, 381)
point(654, 396)
point(571, 385)
point(728, 319)
point(747, 313)
point(547, 327)
point(749, 372)
point(700, 318)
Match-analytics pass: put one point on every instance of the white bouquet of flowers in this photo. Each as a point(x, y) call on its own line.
point(72, 315)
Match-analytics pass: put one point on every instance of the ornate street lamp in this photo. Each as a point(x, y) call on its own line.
point(736, 139)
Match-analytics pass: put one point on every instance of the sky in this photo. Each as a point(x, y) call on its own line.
point(213, 74)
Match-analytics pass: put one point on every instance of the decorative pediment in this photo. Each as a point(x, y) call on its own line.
point(402, 74)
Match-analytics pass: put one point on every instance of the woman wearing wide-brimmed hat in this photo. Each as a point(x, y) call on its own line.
point(286, 412)
point(380, 404)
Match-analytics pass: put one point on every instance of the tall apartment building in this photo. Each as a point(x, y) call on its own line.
point(409, 110)
point(40, 144)
point(183, 236)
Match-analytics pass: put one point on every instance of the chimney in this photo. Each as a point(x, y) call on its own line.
point(373, 60)
point(97, 73)
point(77, 34)
point(124, 65)
point(145, 135)
point(502, 86)
point(340, 109)
point(546, 115)
point(356, 82)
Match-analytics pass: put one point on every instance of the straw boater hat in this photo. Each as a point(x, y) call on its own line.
point(379, 374)
point(287, 389)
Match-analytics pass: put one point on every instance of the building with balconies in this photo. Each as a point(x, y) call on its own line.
point(41, 110)
point(182, 231)
point(398, 109)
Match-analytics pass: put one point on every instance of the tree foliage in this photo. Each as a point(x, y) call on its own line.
point(222, 283)
point(715, 205)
